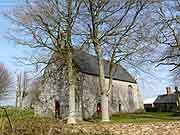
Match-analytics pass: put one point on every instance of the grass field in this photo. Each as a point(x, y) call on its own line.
point(145, 117)
point(26, 114)
point(24, 121)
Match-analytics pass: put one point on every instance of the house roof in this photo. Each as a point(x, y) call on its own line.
point(161, 99)
point(150, 100)
point(88, 64)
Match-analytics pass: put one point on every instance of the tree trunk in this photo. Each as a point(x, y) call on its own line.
point(96, 42)
point(110, 79)
point(104, 96)
point(72, 104)
point(72, 94)
point(105, 107)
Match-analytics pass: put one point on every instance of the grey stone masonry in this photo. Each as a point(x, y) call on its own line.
point(125, 96)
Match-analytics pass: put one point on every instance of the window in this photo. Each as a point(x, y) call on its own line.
point(131, 98)
point(130, 87)
point(98, 108)
point(130, 90)
point(119, 107)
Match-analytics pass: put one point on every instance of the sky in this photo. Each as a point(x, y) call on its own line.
point(8, 50)
point(150, 86)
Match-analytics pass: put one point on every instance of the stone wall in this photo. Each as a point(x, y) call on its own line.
point(90, 94)
point(125, 96)
point(54, 84)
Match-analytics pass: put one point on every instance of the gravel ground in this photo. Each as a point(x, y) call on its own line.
point(158, 128)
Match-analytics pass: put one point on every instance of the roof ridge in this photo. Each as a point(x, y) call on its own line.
point(85, 60)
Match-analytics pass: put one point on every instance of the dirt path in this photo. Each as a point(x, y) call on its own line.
point(158, 128)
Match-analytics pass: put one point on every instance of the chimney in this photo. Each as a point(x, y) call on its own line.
point(168, 90)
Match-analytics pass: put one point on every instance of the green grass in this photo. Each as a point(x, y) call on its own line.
point(16, 113)
point(24, 122)
point(19, 115)
point(145, 117)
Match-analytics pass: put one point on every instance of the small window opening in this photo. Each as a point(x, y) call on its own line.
point(119, 107)
point(130, 86)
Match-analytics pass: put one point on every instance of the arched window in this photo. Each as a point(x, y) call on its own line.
point(119, 107)
point(131, 98)
point(98, 107)
point(130, 87)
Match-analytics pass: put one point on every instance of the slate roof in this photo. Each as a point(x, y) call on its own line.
point(165, 99)
point(88, 64)
point(150, 100)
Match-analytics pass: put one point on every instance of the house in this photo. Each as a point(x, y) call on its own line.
point(149, 104)
point(167, 102)
point(125, 95)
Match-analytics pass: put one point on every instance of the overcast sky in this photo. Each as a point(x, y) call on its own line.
point(150, 86)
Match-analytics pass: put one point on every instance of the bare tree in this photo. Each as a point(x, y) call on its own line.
point(132, 43)
point(47, 27)
point(5, 80)
point(167, 36)
point(22, 87)
point(112, 26)
point(35, 91)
